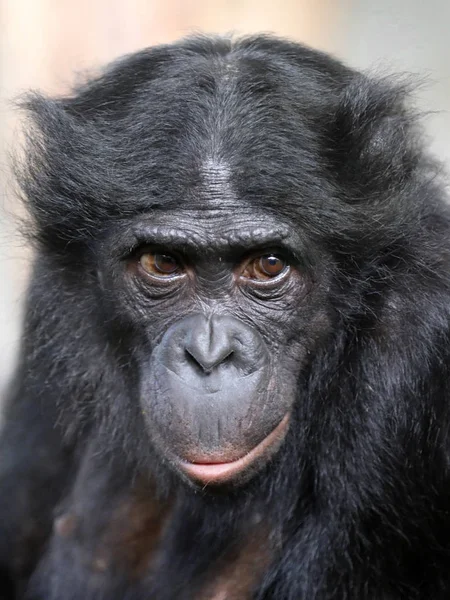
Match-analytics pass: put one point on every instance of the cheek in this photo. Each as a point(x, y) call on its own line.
point(152, 306)
point(294, 341)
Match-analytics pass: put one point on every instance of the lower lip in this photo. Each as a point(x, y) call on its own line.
point(220, 472)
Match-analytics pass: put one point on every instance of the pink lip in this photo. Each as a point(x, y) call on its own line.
point(219, 472)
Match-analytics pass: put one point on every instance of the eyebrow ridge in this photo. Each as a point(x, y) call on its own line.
point(257, 237)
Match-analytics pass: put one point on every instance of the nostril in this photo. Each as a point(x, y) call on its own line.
point(228, 358)
point(221, 360)
point(207, 364)
point(190, 359)
point(210, 343)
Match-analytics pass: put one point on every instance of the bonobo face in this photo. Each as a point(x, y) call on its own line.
point(231, 313)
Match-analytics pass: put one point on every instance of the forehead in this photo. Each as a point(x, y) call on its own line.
point(219, 130)
point(215, 216)
point(219, 142)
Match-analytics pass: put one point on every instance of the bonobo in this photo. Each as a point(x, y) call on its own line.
point(235, 368)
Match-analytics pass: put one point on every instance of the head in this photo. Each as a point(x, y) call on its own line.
point(200, 201)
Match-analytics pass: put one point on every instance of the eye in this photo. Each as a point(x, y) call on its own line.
point(267, 266)
point(160, 265)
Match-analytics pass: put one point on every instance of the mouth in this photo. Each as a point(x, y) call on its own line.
point(221, 472)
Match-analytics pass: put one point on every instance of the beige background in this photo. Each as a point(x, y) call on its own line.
point(47, 43)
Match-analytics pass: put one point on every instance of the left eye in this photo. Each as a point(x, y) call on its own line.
point(160, 265)
point(267, 266)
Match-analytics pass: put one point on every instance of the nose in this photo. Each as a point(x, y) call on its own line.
point(211, 341)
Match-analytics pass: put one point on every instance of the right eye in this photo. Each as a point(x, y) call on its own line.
point(160, 265)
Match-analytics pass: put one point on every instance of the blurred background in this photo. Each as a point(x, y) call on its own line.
point(48, 44)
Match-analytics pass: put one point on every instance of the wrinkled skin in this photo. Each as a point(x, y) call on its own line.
point(224, 351)
point(234, 376)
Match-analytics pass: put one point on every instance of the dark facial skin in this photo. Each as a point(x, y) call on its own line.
point(230, 311)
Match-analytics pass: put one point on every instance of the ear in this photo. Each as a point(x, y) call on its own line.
point(64, 177)
point(374, 148)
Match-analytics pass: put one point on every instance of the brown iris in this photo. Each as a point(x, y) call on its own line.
point(159, 265)
point(265, 267)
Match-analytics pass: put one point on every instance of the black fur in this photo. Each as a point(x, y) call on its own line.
point(357, 499)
